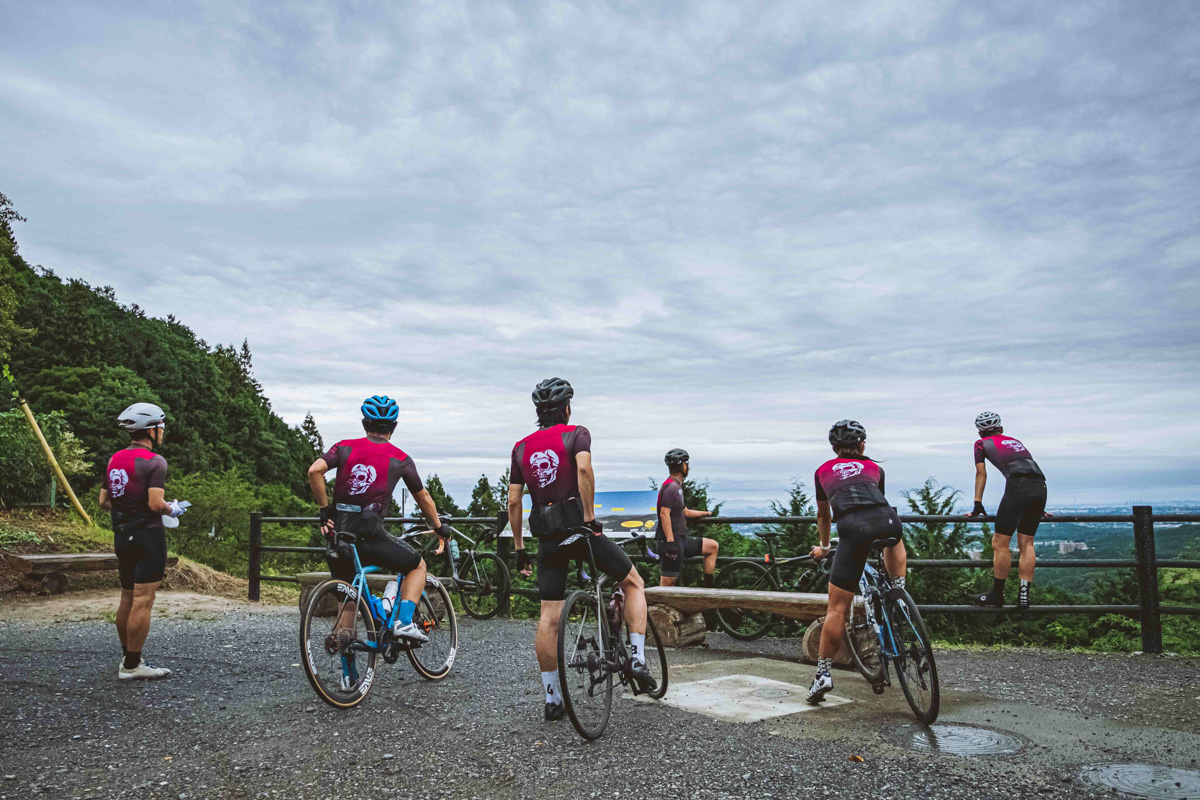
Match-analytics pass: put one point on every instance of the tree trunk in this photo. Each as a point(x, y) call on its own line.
point(675, 628)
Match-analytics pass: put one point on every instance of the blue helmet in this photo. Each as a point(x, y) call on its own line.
point(380, 407)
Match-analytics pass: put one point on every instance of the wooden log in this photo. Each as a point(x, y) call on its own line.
point(675, 628)
point(810, 645)
point(803, 606)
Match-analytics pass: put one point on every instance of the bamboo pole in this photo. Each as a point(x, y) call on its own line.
point(58, 473)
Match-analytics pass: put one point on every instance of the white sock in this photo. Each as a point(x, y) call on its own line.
point(637, 643)
point(898, 582)
point(553, 690)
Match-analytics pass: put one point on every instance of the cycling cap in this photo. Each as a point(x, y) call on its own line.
point(987, 420)
point(676, 457)
point(141, 416)
point(552, 394)
point(380, 407)
point(847, 431)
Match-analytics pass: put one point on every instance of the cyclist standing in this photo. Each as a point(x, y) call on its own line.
point(850, 493)
point(368, 470)
point(555, 462)
point(133, 488)
point(1021, 510)
point(673, 540)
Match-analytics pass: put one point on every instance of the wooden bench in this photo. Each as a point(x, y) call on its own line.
point(47, 572)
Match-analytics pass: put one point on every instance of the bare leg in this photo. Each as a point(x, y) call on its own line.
point(709, 549)
point(668, 580)
point(137, 625)
point(546, 642)
point(413, 583)
point(123, 609)
point(635, 601)
point(833, 630)
point(895, 560)
point(1028, 557)
point(1002, 557)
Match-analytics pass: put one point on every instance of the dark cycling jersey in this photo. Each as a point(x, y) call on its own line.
point(670, 495)
point(850, 483)
point(367, 473)
point(545, 462)
point(131, 473)
point(1007, 455)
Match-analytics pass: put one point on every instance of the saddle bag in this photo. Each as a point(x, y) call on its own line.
point(556, 517)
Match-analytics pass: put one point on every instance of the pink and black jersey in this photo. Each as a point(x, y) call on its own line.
point(850, 483)
point(1007, 455)
point(367, 473)
point(670, 495)
point(545, 462)
point(131, 473)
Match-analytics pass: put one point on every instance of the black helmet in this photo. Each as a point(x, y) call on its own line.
point(676, 458)
point(552, 394)
point(847, 431)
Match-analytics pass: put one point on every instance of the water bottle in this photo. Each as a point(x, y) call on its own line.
point(389, 596)
point(616, 609)
point(454, 550)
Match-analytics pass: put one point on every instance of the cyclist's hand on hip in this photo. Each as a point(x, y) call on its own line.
point(327, 520)
point(524, 565)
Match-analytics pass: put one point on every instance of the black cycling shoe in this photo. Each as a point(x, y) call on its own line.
point(645, 681)
point(555, 711)
point(988, 600)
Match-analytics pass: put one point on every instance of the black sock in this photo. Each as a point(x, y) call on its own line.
point(132, 659)
point(997, 587)
point(708, 580)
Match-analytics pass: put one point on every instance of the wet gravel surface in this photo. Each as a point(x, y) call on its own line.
point(238, 719)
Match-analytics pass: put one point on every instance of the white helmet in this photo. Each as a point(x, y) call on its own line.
point(141, 417)
point(987, 420)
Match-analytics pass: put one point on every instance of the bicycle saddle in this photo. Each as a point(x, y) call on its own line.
point(882, 544)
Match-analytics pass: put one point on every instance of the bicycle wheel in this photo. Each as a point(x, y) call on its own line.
point(656, 659)
point(435, 615)
point(483, 584)
point(343, 682)
point(915, 667)
point(743, 623)
point(863, 643)
point(585, 655)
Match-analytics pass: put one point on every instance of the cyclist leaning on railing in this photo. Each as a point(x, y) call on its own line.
point(849, 492)
point(556, 463)
point(368, 470)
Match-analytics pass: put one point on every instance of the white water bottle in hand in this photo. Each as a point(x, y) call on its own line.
point(389, 596)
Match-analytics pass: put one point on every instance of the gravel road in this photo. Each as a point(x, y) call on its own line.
point(239, 720)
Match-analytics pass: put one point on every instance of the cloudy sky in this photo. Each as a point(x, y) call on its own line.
point(729, 225)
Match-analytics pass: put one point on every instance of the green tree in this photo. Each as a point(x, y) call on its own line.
point(8, 215)
point(484, 501)
point(441, 498)
point(797, 538)
point(313, 436)
point(937, 540)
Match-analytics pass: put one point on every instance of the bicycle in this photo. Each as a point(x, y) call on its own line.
point(330, 655)
point(748, 624)
point(482, 580)
point(591, 649)
point(889, 617)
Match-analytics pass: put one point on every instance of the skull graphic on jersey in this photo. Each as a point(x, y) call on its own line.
point(1013, 444)
point(361, 478)
point(545, 467)
point(118, 479)
point(847, 469)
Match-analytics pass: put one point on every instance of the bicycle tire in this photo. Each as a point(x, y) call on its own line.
point(742, 624)
point(655, 649)
point(915, 652)
point(490, 587)
point(869, 665)
point(311, 657)
point(435, 614)
point(584, 654)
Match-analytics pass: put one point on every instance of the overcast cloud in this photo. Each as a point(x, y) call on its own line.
point(727, 225)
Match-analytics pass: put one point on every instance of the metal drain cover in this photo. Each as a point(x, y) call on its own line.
point(1145, 780)
point(773, 693)
point(956, 740)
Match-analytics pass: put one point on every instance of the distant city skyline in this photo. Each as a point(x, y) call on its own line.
point(728, 225)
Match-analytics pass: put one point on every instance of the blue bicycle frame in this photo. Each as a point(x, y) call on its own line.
point(873, 584)
point(382, 618)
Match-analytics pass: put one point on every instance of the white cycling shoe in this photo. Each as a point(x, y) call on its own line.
point(411, 631)
point(142, 671)
point(821, 686)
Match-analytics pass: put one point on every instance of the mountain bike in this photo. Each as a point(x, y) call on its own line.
point(804, 575)
point(480, 577)
point(889, 616)
point(339, 649)
point(592, 649)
